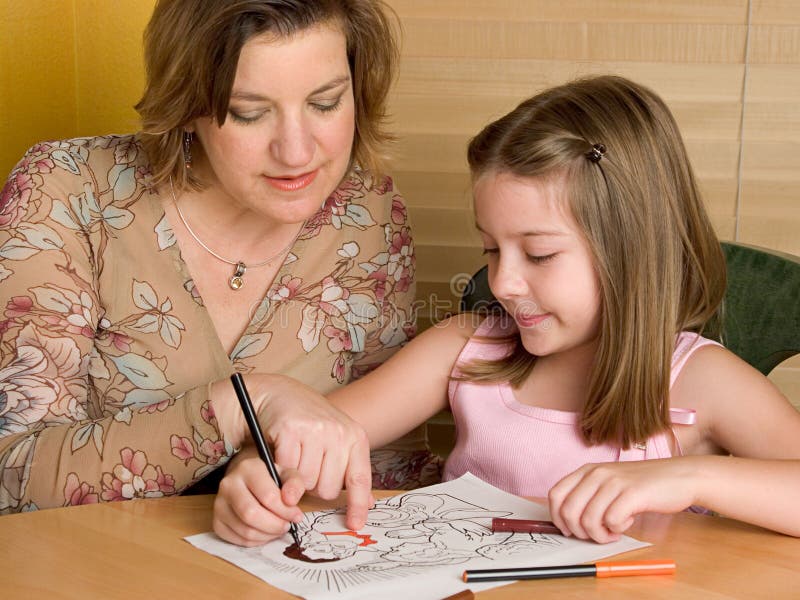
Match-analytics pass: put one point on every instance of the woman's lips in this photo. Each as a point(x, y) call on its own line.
point(292, 184)
point(530, 320)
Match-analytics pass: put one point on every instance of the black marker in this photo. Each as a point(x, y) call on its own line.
point(258, 438)
point(601, 569)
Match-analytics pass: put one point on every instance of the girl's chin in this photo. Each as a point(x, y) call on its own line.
point(536, 347)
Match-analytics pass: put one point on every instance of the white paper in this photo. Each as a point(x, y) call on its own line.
point(415, 546)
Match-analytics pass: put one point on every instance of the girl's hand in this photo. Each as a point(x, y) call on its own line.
point(249, 509)
point(316, 447)
point(600, 501)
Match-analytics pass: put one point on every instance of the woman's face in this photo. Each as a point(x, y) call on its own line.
point(287, 139)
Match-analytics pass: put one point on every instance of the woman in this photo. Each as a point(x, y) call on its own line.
point(244, 229)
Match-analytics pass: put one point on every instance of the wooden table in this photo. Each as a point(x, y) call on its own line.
point(136, 550)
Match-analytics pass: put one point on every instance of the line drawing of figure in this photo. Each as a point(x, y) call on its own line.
point(517, 544)
point(417, 515)
point(404, 535)
point(327, 546)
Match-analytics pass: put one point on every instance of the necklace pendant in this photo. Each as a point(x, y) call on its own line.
point(237, 280)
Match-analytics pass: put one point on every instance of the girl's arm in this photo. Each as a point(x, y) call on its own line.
point(748, 417)
point(739, 412)
point(409, 388)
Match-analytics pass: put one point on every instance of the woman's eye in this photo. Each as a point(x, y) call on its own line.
point(490, 251)
point(324, 107)
point(246, 118)
point(541, 258)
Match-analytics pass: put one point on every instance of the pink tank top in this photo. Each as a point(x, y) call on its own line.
point(525, 449)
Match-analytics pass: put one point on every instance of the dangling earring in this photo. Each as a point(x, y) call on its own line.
point(187, 149)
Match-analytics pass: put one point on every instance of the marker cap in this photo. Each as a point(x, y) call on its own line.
point(635, 567)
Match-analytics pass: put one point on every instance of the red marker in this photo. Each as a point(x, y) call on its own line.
point(523, 526)
point(601, 569)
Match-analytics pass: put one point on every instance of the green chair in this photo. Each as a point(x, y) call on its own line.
point(761, 314)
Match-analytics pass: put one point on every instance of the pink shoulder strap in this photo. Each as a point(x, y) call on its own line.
point(687, 344)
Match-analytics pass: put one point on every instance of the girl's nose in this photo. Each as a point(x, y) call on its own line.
point(292, 144)
point(505, 281)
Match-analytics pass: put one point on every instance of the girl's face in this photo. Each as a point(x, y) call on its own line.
point(286, 142)
point(540, 267)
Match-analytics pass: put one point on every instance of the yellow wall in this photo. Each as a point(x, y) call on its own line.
point(110, 72)
point(68, 68)
point(37, 75)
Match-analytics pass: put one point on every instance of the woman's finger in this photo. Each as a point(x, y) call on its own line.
point(311, 462)
point(287, 451)
point(358, 481)
point(331, 475)
point(292, 491)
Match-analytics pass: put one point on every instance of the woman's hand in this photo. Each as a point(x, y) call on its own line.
point(316, 447)
point(600, 501)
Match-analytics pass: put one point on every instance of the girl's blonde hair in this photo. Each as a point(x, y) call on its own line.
point(192, 47)
point(660, 265)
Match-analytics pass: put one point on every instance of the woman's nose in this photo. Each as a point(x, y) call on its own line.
point(292, 144)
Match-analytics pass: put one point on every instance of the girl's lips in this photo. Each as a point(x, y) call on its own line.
point(530, 320)
point(292, 184)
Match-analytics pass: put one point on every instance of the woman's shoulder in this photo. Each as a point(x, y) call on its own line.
point(102, 169)
point(365, 209)
point(110, 159)
point(376, 185)
point(68, 154)
point(378, 193)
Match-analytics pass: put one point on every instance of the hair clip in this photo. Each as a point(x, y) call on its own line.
point(596, 153)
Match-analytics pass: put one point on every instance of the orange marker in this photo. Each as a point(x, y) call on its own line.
point(601, 569)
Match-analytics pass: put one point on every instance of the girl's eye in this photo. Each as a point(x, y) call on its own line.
point(325, 107)
point(542, 259)
point(490, 251)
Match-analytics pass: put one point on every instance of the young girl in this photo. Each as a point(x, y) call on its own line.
point(595, 386)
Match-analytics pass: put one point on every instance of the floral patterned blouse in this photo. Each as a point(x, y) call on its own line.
point(106, 349)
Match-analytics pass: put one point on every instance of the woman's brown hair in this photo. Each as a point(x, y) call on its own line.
point(192, 48)
point(630, 187)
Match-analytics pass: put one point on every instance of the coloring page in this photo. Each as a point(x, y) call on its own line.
point(417, 543)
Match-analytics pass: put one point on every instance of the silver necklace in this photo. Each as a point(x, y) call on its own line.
point(237, 279)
